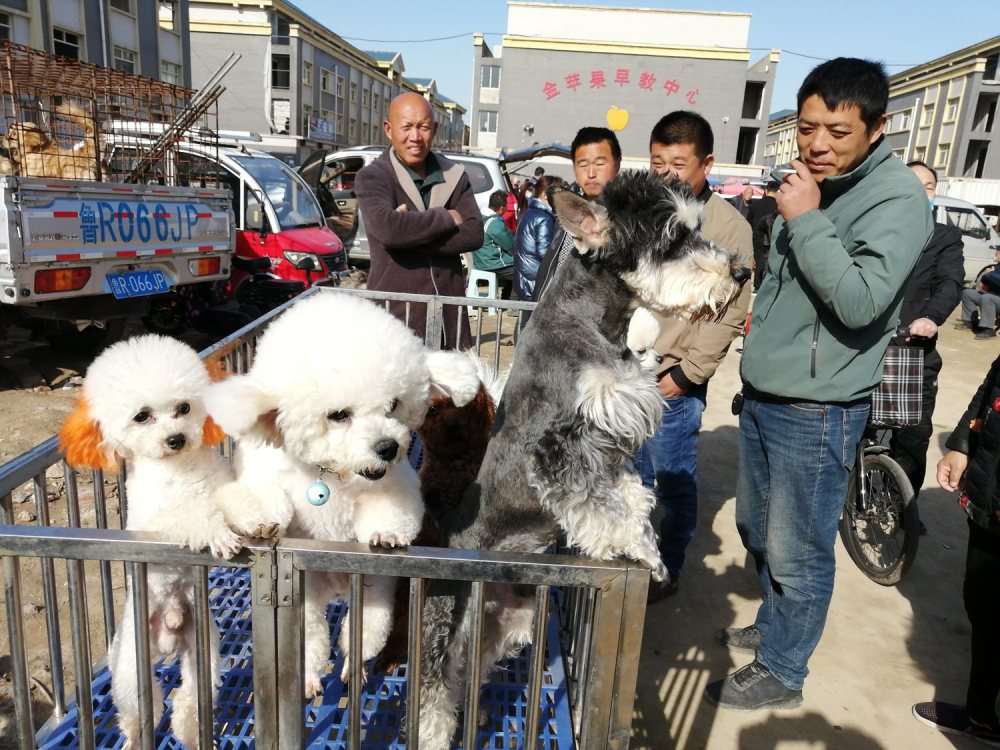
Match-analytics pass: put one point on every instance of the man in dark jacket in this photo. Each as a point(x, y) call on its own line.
point(421, 215)
point(761, 216)
point(972, 465)
point(597, 157)
point(931, 295)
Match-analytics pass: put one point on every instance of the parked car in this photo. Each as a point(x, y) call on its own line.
point(331, 175)
point(981, 241)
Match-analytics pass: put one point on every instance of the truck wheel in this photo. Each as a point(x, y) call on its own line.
point(166, 316)
point(90, 340)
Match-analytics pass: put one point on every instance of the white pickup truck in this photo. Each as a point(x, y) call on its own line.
point(78, 257)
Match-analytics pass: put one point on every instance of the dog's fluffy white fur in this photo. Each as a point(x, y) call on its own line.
point(643, 331)
point(143, 401)
point(335, 389)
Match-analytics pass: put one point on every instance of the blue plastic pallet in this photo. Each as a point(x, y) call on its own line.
point(503, 699)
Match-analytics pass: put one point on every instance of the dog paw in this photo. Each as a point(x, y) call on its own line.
point(262, 530)
point(388, 539)
point(345, 673)
point(313, 686)
point(225, 544)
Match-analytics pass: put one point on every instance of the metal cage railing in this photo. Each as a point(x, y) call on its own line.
point(585, 655)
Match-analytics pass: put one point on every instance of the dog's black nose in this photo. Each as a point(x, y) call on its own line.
point(741, 274)
point(176, 442)
point(386, 449)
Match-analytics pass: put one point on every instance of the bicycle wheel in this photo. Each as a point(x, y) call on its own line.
point(882, 537)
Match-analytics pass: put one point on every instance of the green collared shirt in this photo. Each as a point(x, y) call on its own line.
point(433, 176)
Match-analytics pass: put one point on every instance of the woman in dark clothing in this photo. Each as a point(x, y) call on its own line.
point(531, 243)
point(972, 465)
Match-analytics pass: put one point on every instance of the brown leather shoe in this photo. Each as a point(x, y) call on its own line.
point(658, 591)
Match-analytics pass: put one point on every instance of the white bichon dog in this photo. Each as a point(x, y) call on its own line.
point(643, 331)
point(324, 418)
point(142, 401)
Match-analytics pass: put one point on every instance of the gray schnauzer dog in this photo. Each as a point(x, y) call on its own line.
point(576, 407)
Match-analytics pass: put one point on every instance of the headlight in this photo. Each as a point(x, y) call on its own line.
point(301, 260)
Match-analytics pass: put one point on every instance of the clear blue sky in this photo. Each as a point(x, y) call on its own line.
point(901, 34)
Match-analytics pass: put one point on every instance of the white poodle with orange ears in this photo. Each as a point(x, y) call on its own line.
point(142, 401)
point(324, 418)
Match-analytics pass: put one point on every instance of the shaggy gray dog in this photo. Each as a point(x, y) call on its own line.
point(576, 407)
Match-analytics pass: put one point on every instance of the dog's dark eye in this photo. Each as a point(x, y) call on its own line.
point(341, 415)
point(433, 409)
point(183, 408)
point(640, 352)
point(141, 416)
point(393, 404)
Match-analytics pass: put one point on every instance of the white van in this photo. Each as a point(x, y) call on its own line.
point(981, 241)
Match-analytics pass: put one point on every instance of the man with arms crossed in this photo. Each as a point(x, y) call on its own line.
point(681, 145)
point(853, 220)
point(421, 215)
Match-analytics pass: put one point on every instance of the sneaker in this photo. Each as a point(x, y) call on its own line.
point(751, 688)
point(745, 640)
point(659, 591)
point(952, 718)
point(985, 333)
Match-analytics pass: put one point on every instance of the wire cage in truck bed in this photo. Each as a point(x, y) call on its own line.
point(573, 689)
point(58, 117)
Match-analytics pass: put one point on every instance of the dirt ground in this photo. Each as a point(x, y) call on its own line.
point(883, 650)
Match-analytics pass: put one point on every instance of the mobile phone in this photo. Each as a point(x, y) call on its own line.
point(780, 172)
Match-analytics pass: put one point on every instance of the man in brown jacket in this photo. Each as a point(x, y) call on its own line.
point(681, 144)
point(420, 214)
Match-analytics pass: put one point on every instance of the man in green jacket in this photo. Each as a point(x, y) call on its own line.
point(852, 223)
point(494, 255)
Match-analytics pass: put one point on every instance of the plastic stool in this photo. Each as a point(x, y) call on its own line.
point(492, 289)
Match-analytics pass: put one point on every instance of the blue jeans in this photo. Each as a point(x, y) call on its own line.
point(795, 463)
point(668, 462)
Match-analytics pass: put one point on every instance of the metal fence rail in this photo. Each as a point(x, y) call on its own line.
point(601, 606)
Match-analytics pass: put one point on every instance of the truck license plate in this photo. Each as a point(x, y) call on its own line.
point(138, 283)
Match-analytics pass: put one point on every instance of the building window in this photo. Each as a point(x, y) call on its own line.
point(354, 93)
point(325, 78)
point(364, 98)
point(66, 43)
point(307, 73)
point(951, 114)
point(281, 31)
point(942, 155)
point(124, 59)
point(168, 15)
point(170, 73)
point(125, 6)
point(354, 128)
point(488, 122)
point(340, 86)
point(5, 26)
point(920, 154)
point(340, 123)
point(281, 75)
point(490, 77)
point(376, 105)
point(928, 116)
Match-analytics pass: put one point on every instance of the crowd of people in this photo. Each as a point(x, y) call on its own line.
point(845, 250)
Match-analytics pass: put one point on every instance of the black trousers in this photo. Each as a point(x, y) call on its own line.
point(981, 592)
point(505, 278)
point(909, 444)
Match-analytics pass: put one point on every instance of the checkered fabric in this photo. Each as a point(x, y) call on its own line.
point(896, 402)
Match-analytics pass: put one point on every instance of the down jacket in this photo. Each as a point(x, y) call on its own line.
point(978, 436)
point(531, 243)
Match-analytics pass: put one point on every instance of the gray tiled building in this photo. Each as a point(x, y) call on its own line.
point(560, 67)
point(149, 37)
